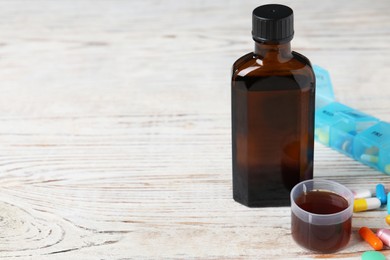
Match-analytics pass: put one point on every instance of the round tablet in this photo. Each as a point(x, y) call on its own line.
point(373, 255)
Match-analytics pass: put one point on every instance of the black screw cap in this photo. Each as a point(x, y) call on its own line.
point(273, 24)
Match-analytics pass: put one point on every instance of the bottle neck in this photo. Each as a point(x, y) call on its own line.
point(280, 52)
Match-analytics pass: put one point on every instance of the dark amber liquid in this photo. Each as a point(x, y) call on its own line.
point(322, 238)
point(272, 128)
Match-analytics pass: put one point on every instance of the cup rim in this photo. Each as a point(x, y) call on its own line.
point(345, 211)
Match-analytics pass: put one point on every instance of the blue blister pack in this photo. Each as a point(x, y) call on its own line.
point(348, 130)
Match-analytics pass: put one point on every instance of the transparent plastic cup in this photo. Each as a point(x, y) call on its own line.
point(321, 215)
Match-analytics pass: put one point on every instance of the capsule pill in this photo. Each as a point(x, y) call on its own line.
point(360, 194)
point(369, 158)
point(373, 150)
point(384, 235)
point(381, 193)
point(387, 219)
point(371, 238)
point(387, 169)
point(366, 204)
point(322, 136)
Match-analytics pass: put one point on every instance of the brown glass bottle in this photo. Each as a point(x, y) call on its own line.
point(273, 92)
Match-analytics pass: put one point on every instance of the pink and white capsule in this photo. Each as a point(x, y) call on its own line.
point(384, 235)
point(361, 194)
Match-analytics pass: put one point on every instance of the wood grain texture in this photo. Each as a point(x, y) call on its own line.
point(115, 126)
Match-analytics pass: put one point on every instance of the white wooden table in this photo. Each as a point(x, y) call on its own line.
point(115, 126)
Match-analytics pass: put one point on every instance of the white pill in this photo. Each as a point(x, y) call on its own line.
point(369, 158)
point(360, 194)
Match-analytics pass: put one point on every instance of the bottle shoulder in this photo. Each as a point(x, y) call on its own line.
point(246, 62)
point(251, 65)
point(252, 73)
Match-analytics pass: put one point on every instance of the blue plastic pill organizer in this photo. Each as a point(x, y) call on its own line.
point(350, 131)
point(324, 88)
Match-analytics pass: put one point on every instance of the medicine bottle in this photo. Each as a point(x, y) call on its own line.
point(273, 94)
